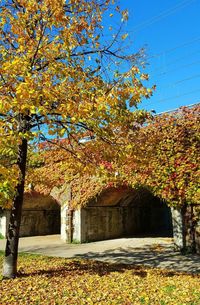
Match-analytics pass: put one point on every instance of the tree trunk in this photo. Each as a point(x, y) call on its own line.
point(11, 251)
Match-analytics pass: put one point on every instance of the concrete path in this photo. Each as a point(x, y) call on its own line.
point(155, 252)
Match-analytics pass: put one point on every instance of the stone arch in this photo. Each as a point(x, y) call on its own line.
point(40, 216)
point(123, 211)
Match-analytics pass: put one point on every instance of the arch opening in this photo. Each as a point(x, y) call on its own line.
point(125, 212)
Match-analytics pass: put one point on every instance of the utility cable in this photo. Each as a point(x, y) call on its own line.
point(162, 15)
point(181, 81)
point(172, 97)
point(175, 61)
point(175, 48)
point(177, 68)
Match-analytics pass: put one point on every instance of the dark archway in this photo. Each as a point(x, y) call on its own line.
point(40, 215)
point(146, 215)
point(120, 212)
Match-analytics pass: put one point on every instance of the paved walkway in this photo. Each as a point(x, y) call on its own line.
point(155, 252)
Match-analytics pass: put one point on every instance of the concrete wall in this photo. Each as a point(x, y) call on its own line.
point(63, 196)
point(115, 213)
point(192, 228)
point(40, 216)
point(40, 222)
point(99, 223)
point(186, 229)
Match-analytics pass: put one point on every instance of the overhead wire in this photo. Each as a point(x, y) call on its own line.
point(172, 97)
point(175, 48)
point(176, 60)
point(162, 15)
point(181, 81)
point(175, 69)
point(155, 19)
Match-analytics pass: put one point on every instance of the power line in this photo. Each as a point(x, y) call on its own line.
point(181, 81)
point(175, 48)
point(175, 69)
point(162, 15)
point(176, 60)
point(172, 97)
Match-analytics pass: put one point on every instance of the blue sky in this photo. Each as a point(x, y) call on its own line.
point(170, 30)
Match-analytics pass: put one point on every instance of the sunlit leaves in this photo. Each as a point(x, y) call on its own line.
point(55, 78)
point(168, 150)
point(44, 280)
point(8, 168)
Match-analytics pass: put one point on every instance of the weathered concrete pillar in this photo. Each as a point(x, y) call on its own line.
point(77, 228)
point(63, 196)
point(84, 230)
point(63, 229)
point(74, 225)
point(178, 228)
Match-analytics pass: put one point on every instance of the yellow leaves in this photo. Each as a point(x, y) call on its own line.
point(144, 76)
point(8, 179)
point(124, 36)
point(4, 106)
point(62, 132)
point(55, 70)
point(73, 119)
point(51, 132)
point(88, 282)
point(125, 15)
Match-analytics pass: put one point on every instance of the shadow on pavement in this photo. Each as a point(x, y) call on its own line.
point(163, 258)
point(93, 268)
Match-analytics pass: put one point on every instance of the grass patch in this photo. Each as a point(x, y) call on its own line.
point(1, 236)
point(49, 280)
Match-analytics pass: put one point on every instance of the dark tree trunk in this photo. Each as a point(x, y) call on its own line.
point(11, 251)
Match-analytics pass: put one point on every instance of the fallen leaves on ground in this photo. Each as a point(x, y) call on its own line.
point(54, 281)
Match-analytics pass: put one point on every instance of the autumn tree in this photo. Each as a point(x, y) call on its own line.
point(52, 84)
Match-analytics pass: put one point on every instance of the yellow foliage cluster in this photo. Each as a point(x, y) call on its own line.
point(52, 80)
